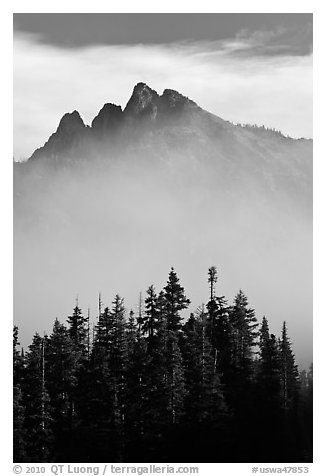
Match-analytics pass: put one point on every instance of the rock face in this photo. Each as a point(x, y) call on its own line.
point(173, 129)
point(144, 108)
point(68, 136)
point(144, 102)
point(108, 120)
point(172, 101)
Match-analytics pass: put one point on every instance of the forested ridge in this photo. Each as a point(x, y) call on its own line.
point(149, 386)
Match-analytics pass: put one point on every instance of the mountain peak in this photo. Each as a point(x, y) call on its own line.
point(70, 129)
point(143, 102)
point(172, 102)
point(71, 122)
point(174, 98)
point(107, 119)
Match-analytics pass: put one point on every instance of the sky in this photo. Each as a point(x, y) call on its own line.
point(246, 68)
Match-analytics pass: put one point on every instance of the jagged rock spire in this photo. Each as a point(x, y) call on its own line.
point(173, 100)
point(108, 119)
point(72, 135)
point(143, 102)
point(71, 123)
point(70, 131)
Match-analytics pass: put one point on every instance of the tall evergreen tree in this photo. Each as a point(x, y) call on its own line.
point(96, 384)
point(61, 375)
point(289, 396)
point(78, 332)
point(104, 330)
point(78, 327)
point(175, 301)
point(175, 377)
point(268, 371)
point(138, 405)
point(243, 337)
point(289, 372)
point(305, 413)
point(38, 422)
point(218, 328)
point(267, 399)
point(205, 399)
point(149, 322)
point(118, 357)
point(18, 405)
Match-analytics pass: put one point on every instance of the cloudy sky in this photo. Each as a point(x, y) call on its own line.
point(248, 68)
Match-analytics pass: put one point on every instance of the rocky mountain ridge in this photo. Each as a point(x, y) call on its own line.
point(146, 113)
point(144, 108)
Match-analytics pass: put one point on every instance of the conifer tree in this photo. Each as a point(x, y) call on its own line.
point(243, 336)
point(305, 412)
point(268, 371)
point(289, 371)
point(38, 422)
point(138, 406)
point(267, 416)
point(205, 399)
point(235, 339)
point(97, 384)
point(18, 361)
point(289, 395)
point(175, 301)
point(218, 328)
point(149, 322)
point(175, 377)
point(19, 436)
point(104, 330)
point(18, 405)
point(61, 375)
point(118, 356)
point(132, 332)
point(78, 332)
point(78, 329)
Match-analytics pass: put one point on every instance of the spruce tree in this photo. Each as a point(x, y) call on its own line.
point(38, 421)
point(175, 301)
point(97, 385)
point(78, 327)
point(61, 377)
point(19, 443)
point(118, 357)
point(104, 330)
point(205, 399)
point(78, 331)
point(175, 377)
point(289, 372)
point(218, 328)
point(267, 399)
point(244, 323)
point(268, 376)
point(138, 405)
point(167, 375)
point(149, 322)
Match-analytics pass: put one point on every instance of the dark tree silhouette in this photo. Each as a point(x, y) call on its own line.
point(157, 387)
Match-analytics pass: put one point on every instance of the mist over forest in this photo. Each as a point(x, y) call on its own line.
point(111, 207)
